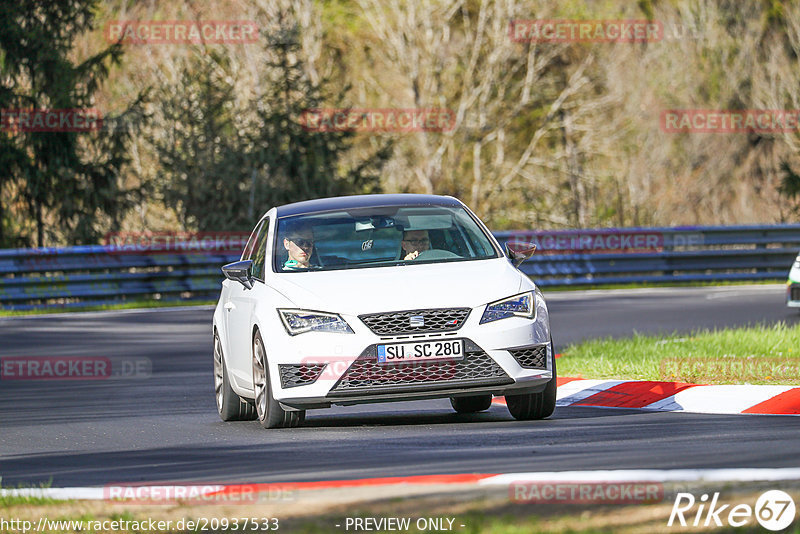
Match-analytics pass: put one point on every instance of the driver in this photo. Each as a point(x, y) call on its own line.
point(414, 243)
point(299, 243)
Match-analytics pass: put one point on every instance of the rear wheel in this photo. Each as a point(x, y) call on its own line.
point(535, 405)
point(477, 403)
point(270, 413)
point(230, 406)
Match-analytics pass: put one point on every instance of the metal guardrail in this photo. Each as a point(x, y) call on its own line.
point(684, 254)
point(91, 275)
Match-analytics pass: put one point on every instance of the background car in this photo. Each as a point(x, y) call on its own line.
point(358, 323)
point(793, 285)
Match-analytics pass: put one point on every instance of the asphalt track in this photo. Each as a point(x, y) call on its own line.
point(164, 427)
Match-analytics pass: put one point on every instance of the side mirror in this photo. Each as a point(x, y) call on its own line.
point(519, 252)
point(240, 271)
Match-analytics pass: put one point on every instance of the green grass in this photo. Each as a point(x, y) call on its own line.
point(753, 355)
point(128, 305)
point(9, 500)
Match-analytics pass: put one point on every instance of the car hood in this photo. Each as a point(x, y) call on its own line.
point(380, 289)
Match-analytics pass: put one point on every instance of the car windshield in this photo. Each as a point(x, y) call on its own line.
point(378, 237)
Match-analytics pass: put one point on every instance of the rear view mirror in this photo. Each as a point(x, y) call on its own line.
point(240, 271)
point(375, 223)
point(519, 252)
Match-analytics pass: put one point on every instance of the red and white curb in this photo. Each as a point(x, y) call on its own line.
point(677, 397)
point(211, 490)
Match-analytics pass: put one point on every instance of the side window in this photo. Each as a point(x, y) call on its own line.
point(248, 248)
point(259, 253)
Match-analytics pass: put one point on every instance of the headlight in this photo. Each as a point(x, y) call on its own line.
point(522, 305)
point(300, 321)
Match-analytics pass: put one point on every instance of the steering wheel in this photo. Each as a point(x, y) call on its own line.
point(436, 254)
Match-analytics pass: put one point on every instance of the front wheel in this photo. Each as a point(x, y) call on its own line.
point(535, 405)
point(270, 413)
point(230, 406)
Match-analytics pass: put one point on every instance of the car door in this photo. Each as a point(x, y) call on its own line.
point(240, 310)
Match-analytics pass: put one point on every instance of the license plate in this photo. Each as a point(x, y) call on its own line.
point(421, 351)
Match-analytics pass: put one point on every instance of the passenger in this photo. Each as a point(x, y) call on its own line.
point(414, 243)
point(299, 242)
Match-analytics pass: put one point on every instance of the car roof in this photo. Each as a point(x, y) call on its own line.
point(364, 201)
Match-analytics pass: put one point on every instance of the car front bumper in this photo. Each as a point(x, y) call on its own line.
point(345, 368)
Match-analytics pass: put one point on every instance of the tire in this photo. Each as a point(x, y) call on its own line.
point(230, 406)
point(474, 404)
point(535, 405)
point(268, 410)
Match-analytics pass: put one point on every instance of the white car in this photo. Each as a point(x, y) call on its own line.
point(378, 298)
point(793, 285)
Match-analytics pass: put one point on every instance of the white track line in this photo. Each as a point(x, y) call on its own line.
point(661, 475)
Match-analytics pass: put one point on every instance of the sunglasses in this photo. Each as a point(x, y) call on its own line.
point(302, 243)
point(417, 241)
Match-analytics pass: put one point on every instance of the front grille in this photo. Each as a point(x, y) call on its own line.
point(366, 374)
point(435, 320)
point(299, 375)
point(531, 357)
point(795, 293)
